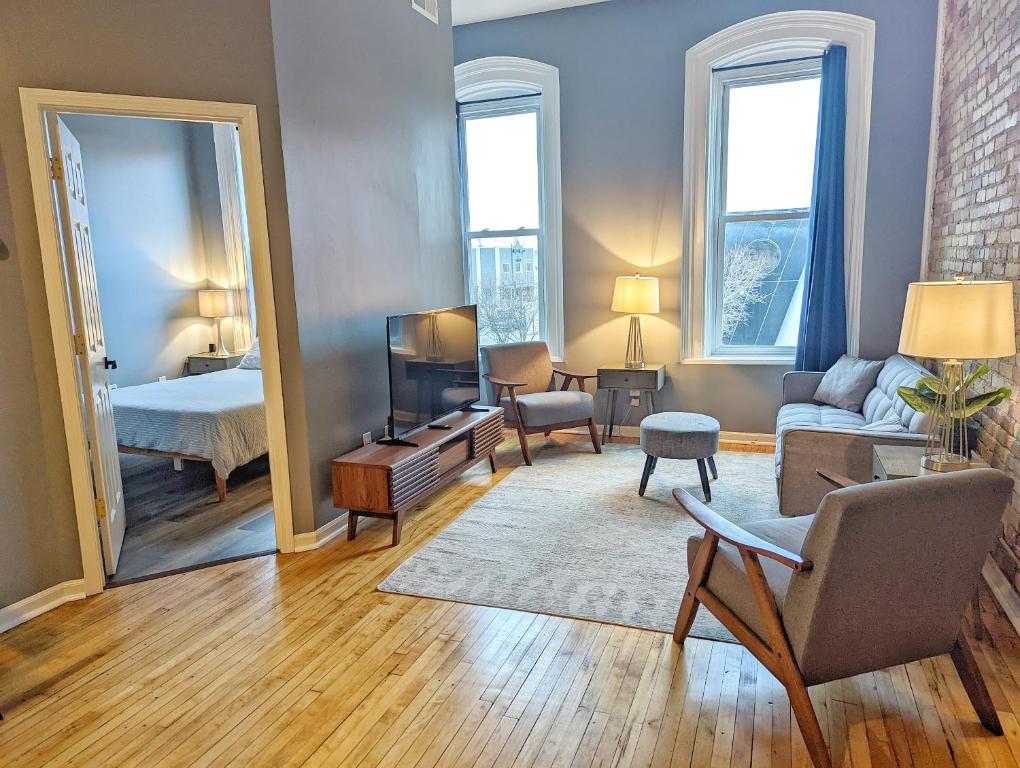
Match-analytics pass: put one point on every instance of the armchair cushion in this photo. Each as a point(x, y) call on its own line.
point(556, 407)
point(728, 580)
point(527, 362)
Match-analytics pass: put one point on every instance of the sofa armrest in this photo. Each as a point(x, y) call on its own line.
point(800, 386)
point(844, 451)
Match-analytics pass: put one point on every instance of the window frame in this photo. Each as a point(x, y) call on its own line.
point(716, 215)
point(772, 37)
point(507, 77)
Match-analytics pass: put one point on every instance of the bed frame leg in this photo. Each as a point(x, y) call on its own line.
point(221, 487)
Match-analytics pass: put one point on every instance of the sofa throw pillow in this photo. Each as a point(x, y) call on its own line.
point(252, 361)
point(848, 382)
point(888, 424)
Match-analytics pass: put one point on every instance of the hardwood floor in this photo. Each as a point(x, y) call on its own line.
point(175, 520)
point(298, 660)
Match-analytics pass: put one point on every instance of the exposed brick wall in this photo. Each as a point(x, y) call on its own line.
point(976, 203)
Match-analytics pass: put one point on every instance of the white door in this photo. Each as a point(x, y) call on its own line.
point(90, 344)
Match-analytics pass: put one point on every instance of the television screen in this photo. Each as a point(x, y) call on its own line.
point(433, 365)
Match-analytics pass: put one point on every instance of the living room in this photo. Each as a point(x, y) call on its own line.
point(639, 378)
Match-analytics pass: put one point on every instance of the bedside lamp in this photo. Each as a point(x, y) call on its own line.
point(636, 295)
point(952, 322)
point(215, 303)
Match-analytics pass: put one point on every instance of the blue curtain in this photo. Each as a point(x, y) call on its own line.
point(823, 312)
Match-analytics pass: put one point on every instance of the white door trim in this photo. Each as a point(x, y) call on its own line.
point(35, 103)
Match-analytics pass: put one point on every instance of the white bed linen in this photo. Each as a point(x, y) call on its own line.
point(219, 416)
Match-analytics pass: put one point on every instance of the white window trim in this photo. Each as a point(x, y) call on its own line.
point(500, 77)
point(789, 34)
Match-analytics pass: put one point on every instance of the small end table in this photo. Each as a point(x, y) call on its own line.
point(645, 381)
point(895, 462)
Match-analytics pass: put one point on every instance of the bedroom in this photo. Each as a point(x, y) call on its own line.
point(176, 317)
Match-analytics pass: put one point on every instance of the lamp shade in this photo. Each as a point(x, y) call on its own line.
point(636, 295)
point(214, 302)
point(959, 320)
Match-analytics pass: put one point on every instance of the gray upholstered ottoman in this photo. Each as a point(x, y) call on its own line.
point(680, 436)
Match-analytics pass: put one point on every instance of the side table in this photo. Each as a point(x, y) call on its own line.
point(895, 462)
point(615, 378)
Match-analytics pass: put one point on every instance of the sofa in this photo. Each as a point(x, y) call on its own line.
point(810, 434)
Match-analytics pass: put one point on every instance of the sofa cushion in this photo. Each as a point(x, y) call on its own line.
point(848, 382)
point(556, 407)
point(728, 579)
point(811, 415)
point(883, 400)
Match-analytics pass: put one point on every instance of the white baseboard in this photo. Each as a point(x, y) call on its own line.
point(741, 438)
point(303, 542)
point(47, 600)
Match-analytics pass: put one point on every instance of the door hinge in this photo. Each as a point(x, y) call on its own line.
point(80, 346)
point(56, 168)
point(101, 509)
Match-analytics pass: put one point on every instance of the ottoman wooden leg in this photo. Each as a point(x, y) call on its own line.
point(649, 468)
point(704, 479)
point(711, 467)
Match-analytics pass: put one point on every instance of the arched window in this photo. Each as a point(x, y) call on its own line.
point(750, 118)
point(508, 125)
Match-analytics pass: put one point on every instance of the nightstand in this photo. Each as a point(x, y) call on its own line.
point(645, 381)
point(207, 362)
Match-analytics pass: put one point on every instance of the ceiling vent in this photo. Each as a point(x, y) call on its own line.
point(427, 8)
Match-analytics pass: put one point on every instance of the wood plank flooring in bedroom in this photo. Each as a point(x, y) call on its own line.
point(175, 520)
point(298, 660)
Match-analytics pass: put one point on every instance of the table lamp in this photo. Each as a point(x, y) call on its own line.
point(952, 322)
point(215, 303)
point(636, 295)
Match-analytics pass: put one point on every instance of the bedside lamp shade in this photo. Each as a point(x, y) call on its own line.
point(214, 302)
point(959, 320)
point(636, 295)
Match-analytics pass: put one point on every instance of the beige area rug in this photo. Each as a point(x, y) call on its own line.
point(570, 536)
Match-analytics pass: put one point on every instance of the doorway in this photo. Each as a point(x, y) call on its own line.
point(161, 252)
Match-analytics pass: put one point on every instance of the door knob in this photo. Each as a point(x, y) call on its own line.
point(110, 365)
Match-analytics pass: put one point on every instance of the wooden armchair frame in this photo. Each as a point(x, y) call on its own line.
point(522, 430)
point(775, 653)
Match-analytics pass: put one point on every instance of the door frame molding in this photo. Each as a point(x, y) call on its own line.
point(35, 103)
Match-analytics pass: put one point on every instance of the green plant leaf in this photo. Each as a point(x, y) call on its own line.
point(930, 383)
point(916, 400)
point(980, 371)
point(980, 402)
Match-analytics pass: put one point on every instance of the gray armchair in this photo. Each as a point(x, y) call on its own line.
point(879, 576)
point(532, 403)
point(811, 434)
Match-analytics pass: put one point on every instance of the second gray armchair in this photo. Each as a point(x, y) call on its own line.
point(880, 575)
point(532, 403)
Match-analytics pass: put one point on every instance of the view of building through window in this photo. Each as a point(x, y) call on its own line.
point(505, 269)
point(768, 156)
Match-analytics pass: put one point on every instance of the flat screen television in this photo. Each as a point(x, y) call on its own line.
point(433, 366)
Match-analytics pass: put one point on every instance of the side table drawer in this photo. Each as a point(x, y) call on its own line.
point(631, 378)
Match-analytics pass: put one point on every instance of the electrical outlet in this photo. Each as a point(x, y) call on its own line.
point(366, 438)
point(162, 378)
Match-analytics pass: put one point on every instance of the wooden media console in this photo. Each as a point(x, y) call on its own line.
point(384, 481)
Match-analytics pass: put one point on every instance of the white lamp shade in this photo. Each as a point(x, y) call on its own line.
point(959, 320)
point(214, 302)
point(636, 295)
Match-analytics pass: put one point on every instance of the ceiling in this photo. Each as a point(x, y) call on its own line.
point(470, 11)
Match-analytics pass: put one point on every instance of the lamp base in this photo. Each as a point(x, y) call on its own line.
point(945, 462)
point(635, 346)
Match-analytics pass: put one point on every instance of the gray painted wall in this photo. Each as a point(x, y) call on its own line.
point(148, 236)
point(188, 49)
point(367, 112)
point(622, 86)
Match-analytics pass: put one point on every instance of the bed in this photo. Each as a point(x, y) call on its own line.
point(217, 417)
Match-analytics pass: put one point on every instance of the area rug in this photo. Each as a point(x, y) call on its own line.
point(570, 536)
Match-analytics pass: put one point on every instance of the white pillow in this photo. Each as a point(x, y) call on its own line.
point(847, 383)
point(253, 360)
point(888, 424)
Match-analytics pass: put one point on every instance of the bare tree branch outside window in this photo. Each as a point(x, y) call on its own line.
point(745, 268)
point(508, 305)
